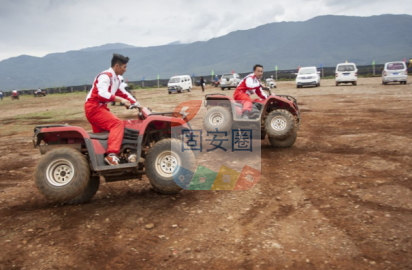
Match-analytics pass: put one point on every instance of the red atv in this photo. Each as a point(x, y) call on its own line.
point(277, 116)
point(14, 95)
point(73, 160)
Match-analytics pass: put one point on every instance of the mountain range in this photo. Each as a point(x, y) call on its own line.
point(326, 40)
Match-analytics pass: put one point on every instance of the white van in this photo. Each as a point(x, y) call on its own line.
point(395, 72)
point(179, 84)
point(346, 73)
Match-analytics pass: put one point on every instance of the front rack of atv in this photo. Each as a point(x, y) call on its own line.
point(290, 98)
point(215, 94)
point(161, 113)
point(168, 114)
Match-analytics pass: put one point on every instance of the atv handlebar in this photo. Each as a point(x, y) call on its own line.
point(131, 107)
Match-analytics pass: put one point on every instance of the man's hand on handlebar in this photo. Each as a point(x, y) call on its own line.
point(136, 105)
point(126, 103)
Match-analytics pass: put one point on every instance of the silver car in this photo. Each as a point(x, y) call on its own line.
point(395, 72)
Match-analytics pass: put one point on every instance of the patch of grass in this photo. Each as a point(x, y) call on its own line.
point(54, 115)
point(14, 129)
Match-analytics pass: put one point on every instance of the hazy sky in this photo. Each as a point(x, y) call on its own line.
point(45, 26)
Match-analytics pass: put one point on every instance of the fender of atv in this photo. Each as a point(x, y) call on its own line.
point(279, 102)
point(57, 135)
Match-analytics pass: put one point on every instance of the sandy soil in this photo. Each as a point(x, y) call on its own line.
point(340, 198)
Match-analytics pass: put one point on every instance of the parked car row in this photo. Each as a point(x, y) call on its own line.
point(348, 73)
point(345, 73)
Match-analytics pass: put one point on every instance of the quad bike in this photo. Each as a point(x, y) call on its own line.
point(215, 83)
point(277, 116)
point(73, 160)
point(39, 94)
point(14, 95)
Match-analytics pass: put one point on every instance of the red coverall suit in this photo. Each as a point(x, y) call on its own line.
point(248, 86)
point(105, 87)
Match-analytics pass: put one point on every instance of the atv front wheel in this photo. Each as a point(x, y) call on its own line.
point(164, 160)
point(218, 117)
point(62, 174)
point(280, 124)
point(288, 142)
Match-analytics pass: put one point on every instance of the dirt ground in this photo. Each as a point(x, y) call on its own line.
point(340, 198)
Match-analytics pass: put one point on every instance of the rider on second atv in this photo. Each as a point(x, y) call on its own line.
point(107, 88)
point(248, 86)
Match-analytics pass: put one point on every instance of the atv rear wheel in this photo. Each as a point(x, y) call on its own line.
point(88, 193)
point(164, 160)
point(288, 142)
point(280, 124)
point(62, 174)
point(218, 117)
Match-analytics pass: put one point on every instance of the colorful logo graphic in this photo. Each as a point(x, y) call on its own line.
point(226, 179)
point(248, 178)
point(203, 179)
point(182, 177)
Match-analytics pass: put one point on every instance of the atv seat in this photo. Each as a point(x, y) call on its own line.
point(99, 136)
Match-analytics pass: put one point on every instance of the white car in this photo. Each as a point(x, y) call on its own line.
point(307, 76)
point(229, 81)
point(179, 83)
point(395, 72)
point(346, 73)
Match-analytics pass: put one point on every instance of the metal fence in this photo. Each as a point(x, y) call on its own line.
point(280, 75)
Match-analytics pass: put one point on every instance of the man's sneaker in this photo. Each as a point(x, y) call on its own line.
point(112, 160)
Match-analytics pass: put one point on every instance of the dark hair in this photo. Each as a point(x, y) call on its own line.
point(256, 66)
point(119, 59)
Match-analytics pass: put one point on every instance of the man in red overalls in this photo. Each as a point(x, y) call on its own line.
point(106, 88)
point(249, 86)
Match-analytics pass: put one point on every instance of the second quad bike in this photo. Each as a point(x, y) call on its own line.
point(14, 95)
point(278, 117)
point(41, 93)
point(73, 160)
